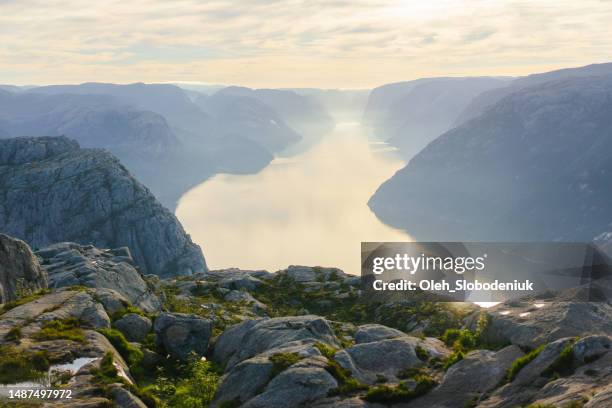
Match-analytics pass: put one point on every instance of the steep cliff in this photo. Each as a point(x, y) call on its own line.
point(54, 191)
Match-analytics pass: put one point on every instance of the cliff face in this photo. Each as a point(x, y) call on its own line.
point(20, 271)
point(54, 191)
point(535, 166)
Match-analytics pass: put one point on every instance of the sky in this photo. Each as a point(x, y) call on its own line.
point(295, 43)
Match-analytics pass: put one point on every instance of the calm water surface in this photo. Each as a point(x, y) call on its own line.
point(308, 209)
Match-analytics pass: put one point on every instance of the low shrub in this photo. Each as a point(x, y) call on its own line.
point(455, 357)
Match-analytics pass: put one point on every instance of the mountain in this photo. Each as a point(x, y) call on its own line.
point(55, 191)
point(169, 159)
point(301, 113)
point(167, 100)
point(487, 99)
point(249, 117)
point(534, 166)
point(94, 120)
point(411, 114)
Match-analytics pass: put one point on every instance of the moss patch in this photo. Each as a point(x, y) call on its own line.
point(282, 361)
point(17, 366)
point(64, 329)
point(521, 362)
point(385, 394)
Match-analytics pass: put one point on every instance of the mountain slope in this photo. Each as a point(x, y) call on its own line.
point(487, 99)
point(54, 191)
point(535, 166)
point(411, 114)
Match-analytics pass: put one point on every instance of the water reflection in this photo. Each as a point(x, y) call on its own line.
point(307, 209)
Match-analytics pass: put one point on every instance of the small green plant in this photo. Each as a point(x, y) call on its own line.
point(126, 310)
point(282, 361)
point(521, 362)
point(193, 386)
point(563, 364)
point(14, 334)
point(326, 350)
point(411, 372)
point(450, 336)
point(130, 353)
point(346, 382)
point(385, 394)
point(455, 357)
point(421, 353)
point(61, 329)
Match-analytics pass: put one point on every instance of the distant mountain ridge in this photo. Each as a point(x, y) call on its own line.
point(157, 130)
point(533, 166)
point(411, 114)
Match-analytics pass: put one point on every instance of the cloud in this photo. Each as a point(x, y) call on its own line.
point(358, 43)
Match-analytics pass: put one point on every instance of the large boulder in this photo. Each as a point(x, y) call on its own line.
point(134, 326)
point(69, 264)
point(368, 333)
point(248, 378)
point(182, 334)
point(87, 196)
point(253, 337)
point(368, 361)
point(479, 372)
point(20, 272)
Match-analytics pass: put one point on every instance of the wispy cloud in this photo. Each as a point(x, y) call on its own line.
point(358, 43)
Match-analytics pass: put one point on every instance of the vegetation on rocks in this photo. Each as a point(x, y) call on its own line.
point(66, 329)
point(17, 365)
point(385, 394)
point(522, 362)
point(282, 361)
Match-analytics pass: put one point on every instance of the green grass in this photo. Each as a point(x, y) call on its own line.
point(385, 394)
point(282, 361)
point(64, 329)
point(326, 350)
point(131, 354)
point(128, 309)
point(455, 357)
point(421, 353)
point(411, 372)
point(521, 362)
point(192, 385)
point(23, 300)
point(563, 364)
point(17, 366)
point(347, 384)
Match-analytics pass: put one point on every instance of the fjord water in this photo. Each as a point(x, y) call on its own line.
point(306, 209)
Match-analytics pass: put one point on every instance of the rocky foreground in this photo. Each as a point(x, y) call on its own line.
point(301, 337)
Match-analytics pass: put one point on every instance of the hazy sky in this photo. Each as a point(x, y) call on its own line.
point(319, 43)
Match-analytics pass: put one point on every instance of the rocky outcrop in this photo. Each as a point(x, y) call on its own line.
point(253, 337)
point(69, 264)
point(20, 271)
point(182, 334)
point(386, 358)
point(87, 196)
